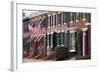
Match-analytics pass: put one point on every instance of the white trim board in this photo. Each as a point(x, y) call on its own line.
point(16, 58)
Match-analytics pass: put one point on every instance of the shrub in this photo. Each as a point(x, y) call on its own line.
point(83, 57)
point(61, 53)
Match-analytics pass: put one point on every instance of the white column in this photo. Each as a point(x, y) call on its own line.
point(62, 18)
point(77, 17)
point(72, 41)
point(84, 33)
point(71, 14)
point(56, 20)
point(65, 40)
point(62, 37)
point(84, 18)
point(53, 19)
point(59, 18)
point(48, 21)
point(83, 45)
point(48, 47)
point(48, 40)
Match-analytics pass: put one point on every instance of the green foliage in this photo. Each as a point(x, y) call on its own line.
point(77, 39)
point(83, 57)
point(61, 53)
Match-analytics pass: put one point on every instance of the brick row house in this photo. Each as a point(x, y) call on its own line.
point(46, 30)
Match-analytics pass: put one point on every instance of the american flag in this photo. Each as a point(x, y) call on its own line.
point(37, 29)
